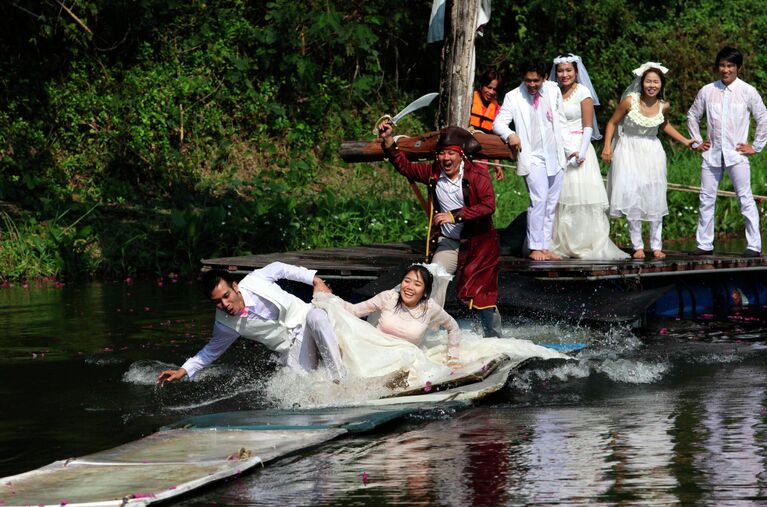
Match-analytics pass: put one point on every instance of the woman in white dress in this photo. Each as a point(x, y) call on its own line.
point(581, 227)
point(400, 342)
point(637, 178)
point(408, 313)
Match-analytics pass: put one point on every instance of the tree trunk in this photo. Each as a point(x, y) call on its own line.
point(457, 76)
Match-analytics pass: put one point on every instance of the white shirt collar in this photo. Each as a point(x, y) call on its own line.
point(720, 84)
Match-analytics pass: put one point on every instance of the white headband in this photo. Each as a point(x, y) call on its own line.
point(647, 66)
point(571, 58)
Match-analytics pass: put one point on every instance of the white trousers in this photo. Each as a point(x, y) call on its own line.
point(317, 341)
point(544, 195)
point(447, 254)
point(656, 234)
point(740, 175)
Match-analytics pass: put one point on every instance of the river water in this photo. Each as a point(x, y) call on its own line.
point(673, 414)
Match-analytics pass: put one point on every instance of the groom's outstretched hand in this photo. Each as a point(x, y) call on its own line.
point(170, 376)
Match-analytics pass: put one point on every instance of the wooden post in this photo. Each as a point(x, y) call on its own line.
point(457, 74)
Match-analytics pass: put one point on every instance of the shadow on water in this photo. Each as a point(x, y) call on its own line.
point(674, 413)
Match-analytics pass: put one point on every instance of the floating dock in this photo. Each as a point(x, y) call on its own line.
point(679, 285)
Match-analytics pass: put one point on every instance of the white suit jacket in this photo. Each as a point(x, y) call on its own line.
point(516, 108)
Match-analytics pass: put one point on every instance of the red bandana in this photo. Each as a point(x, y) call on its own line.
point(451, 147)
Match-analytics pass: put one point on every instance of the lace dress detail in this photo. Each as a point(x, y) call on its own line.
point(637, 179)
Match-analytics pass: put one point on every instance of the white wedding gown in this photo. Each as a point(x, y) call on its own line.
point(368, 352)
point(581, 227)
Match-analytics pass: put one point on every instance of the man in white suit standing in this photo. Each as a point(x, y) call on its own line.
point(537, 110)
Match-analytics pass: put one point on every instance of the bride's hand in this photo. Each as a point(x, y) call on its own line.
point(320, 286)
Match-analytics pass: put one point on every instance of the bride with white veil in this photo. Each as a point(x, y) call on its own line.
point(397, 341)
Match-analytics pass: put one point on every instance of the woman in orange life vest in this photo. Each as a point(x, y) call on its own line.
point(484, 109)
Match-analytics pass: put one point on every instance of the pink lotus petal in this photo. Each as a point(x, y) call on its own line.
point(365, 478)
point(427, 387)
point(172, 487)
point(663, 331)
point(63, 502)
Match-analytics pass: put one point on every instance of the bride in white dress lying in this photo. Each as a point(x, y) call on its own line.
point(397, 343)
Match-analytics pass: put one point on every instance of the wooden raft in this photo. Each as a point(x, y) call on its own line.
point(370, 261)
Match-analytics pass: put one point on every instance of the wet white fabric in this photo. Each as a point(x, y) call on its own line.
point(367, 352)
point(318, 341)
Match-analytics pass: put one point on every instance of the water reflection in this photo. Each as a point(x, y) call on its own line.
point(690, 443)
point(665, 421)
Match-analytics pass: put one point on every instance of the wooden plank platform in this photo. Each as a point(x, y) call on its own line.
point(368, 262)
point(353, 263)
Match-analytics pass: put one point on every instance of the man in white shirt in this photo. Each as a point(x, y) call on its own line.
point(537, 110)
point(727, 104)
point(258, 309)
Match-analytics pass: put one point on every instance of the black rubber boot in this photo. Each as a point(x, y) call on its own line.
point(491, 322)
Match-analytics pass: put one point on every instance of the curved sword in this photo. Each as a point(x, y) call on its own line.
point(415, 105)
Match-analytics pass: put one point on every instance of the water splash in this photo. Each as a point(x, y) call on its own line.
point(145, 372)
point(287, 389)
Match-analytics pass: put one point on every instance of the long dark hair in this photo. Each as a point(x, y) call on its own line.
point(426, 277)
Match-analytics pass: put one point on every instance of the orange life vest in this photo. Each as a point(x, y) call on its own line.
point(482, 117)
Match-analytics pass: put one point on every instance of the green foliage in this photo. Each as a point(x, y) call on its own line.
point(143, 135)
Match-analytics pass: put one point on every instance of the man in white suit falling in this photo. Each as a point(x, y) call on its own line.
point(537, 110)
